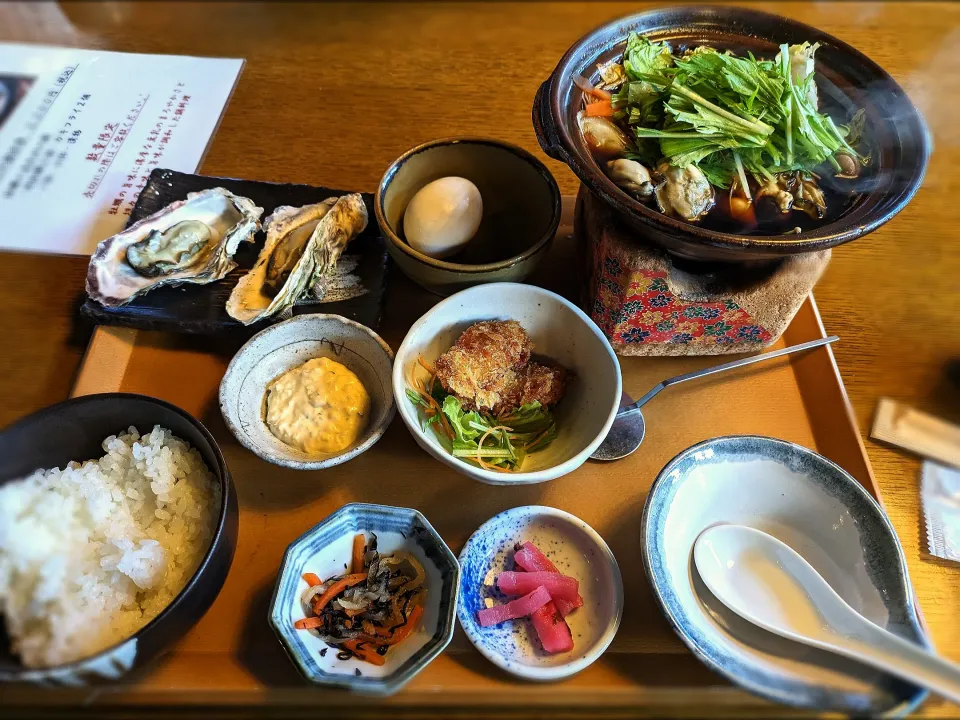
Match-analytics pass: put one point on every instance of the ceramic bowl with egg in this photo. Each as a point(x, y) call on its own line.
point(462, 211)
point(286, 346)
point(324, 550)
point(576, 550)
point(560, 332)
point(817, 508)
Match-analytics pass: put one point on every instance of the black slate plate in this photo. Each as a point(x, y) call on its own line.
point(202, 308)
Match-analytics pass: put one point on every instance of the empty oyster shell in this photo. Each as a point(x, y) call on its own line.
point(190, 241)
point(302, 248)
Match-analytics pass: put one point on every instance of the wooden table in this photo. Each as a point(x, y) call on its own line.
point(332, 93)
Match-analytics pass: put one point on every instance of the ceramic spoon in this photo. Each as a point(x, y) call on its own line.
point(628, 428)
point(769, 584)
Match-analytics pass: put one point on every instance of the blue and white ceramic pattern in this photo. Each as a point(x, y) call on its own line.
point(818, 509)
point(577, 550)
point(325, 550)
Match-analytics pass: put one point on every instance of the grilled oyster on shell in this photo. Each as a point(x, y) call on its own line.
point(300, 254)
point(190, 241)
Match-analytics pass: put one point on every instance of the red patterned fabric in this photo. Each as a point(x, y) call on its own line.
point(635, 305)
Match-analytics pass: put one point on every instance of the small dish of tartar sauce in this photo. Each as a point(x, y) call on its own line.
point(318, 407)
point(311, 392)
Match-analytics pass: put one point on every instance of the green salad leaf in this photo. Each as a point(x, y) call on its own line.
point(730, 116)
point(507, 439)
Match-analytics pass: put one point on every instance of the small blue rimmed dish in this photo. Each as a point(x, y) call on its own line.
point(818, 509)
point(576, 550)
point(325, 550)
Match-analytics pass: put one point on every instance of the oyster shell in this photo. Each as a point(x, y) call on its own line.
point(190, 241)
point(299, 256)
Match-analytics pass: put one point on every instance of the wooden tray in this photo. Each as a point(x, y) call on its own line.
point(231, 658)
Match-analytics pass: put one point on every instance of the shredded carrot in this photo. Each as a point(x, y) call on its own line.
point(338, 587)
point(403, 632)
point(383, 636)
point(533, 443)
point(359, 545)
point(601, 93)
point(432, 402)
point(312, 580)
point(307, 623)
point(364, 654)
point(485, 465)
point(426, 366)
point(601, 108)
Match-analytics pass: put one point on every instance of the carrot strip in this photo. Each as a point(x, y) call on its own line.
point(383, 636)
point(533, 443)
point(359, 545)
point(338, 587)
point(364, 654)
point(480, 460)
point(426, 366)
point(601, 108)
point(312, 580)
point(403, 632)
point(307, 623)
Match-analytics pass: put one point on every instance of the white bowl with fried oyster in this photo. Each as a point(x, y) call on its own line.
point(560, 335)
point(245, 391)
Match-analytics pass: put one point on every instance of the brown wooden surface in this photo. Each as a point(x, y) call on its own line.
point(799, 399)
point(332, 93)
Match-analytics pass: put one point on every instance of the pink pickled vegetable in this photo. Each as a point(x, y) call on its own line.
point(521, 607)
point(552, 629)
point(529, 558)
point(565, 607)
point(520, 583)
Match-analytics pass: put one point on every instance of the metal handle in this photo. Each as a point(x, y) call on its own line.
point(630, 409)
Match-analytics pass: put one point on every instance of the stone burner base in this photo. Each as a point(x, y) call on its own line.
point(648, 302)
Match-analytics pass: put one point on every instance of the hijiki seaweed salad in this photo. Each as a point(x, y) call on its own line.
point(372, 607)
point(733, 142)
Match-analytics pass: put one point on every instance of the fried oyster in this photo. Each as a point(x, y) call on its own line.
point(489, 369)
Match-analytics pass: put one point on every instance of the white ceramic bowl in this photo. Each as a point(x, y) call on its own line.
point(284, 346)
point(819, 510)
point(577, 550)
point(560, 331)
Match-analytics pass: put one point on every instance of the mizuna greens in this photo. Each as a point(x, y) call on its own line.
point(728, 115)
point(498, 443)
point(494, 443)
point(746, 124)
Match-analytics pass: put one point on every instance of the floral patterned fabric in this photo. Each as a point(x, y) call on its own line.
point(635, 306)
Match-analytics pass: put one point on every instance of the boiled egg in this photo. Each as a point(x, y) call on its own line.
point(443, 216)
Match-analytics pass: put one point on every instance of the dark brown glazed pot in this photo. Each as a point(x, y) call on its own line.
point(845, 77)
point(74, 430)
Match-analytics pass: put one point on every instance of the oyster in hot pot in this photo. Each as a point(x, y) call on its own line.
point(684, 192)
point(300, 254)
point(191, 241)
point(631, 176)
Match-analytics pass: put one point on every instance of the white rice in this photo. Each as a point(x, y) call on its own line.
point(91, 553)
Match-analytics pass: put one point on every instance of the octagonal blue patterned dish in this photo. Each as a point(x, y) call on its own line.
point(577, 550)
point(325, 550)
